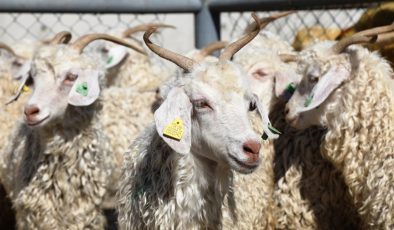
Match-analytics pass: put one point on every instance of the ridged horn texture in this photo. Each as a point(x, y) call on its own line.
point(234, 47)
point(83, 41)
point(266, 20)
point(143, 28)
point(184, 62)
point(366, 36)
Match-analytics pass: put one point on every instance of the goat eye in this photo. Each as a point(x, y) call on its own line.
point(17, 63)
point(202, 104)
point(313, 78)
point(70, 77)
point(252, 106)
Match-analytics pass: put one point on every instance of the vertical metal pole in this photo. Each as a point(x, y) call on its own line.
point(206, 26)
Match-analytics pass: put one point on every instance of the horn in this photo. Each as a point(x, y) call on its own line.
point(83, 41)
point(210, 48)
point(266, 20)
point(237, 45)
point(365, 36)
point(288, 57)
point(184, 62)
point(143, 28)
point(385, 39)
point(8, 48)
point(60, 38)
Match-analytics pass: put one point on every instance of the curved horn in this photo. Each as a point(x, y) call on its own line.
point(365, 36)
point(62, 37)
point(237, 45)
point(212, 47)
point(83, 41)
point(184, 62)
point(266, 20)
point(8, 48)
point(143, 28)
point(288, 57)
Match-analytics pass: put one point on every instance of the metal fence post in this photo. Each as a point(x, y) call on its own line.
point(206, 26)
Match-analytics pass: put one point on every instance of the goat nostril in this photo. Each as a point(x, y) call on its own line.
point(32, 110)
point(286, 110)
point(251, 147)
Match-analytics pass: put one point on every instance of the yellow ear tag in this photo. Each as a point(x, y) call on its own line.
point(25, 89)
point(174, 130)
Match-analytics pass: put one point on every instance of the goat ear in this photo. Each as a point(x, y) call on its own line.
point(269, 131)
point(285, 82)
point(173, 120)
point(326, 85)
point(86, 88)
point(115, 56)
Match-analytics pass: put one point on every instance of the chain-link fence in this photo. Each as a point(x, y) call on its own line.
point(19, 26)
point(16, 27)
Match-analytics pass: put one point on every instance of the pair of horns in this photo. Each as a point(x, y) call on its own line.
point(379, 35)
point(383, 35)
point(187, 63)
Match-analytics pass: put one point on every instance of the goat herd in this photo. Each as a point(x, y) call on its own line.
point(262, 137)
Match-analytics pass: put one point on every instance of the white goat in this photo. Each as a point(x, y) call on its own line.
point(58, 163)
point(178, 171)
point(346, 91)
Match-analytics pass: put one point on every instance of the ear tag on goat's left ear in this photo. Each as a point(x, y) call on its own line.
point(26, 89)
point(308, 101)
point(290, 88)
point(109, 60)
point(272, 129)
point(174, 130)
point(82, 88)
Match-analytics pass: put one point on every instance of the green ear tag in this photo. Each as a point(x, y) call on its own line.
point(290, 88)
point(82, 89)
point(308, 101)
point(272, 129)
point(110, 59)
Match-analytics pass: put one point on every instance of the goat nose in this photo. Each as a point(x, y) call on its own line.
point(31, 110)
point(251, 147)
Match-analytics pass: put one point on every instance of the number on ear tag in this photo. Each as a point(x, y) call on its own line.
point(174, 130)
point(82, 89)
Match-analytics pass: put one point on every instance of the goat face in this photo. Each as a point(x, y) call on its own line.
point(322, 73)
point(59, 77)
point(212, 104)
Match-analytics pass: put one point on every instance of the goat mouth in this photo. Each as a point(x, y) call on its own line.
point(243, 164)
point(36, 123)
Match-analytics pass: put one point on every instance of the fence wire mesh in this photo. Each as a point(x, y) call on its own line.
point(322, 23)
point(15, 27)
